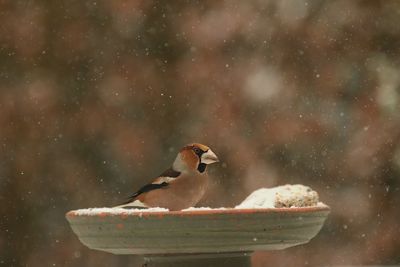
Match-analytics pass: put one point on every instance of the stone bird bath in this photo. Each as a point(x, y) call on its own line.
point(214, 237)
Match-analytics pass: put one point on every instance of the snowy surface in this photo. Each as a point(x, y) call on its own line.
point(119, 211)
point(115, 211)
point(203, 208)
point(284, 196)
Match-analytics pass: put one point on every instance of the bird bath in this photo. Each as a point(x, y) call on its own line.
point(214, 237)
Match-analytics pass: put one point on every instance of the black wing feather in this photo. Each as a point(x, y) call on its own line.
point(147, 188)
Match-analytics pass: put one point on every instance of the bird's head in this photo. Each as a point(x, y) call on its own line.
point(194, 157)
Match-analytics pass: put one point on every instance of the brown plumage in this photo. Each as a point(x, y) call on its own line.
point(181, 186)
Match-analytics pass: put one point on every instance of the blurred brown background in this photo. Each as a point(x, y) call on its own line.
point(96, 98)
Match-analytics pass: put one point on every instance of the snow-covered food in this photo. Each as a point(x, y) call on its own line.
point(284, 196)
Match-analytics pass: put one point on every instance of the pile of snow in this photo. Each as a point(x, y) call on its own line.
point(284, 196)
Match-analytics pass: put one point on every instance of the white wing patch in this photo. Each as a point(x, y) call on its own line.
point(136, 203)
point(161, 180)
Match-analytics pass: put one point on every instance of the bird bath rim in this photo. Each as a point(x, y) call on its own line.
point(197, 212)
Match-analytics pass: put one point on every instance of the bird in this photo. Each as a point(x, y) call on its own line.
point(179, 187)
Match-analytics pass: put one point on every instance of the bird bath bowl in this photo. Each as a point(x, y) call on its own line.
point(215, 237)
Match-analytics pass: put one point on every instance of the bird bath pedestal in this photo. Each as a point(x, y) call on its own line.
point(221, 237)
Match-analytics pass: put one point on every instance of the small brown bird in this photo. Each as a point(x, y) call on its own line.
point(179, 187)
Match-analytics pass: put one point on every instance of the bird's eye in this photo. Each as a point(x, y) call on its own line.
point(196, 150)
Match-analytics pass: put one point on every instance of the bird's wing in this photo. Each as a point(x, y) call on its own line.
point(161, 182)
point(149, 187)
point(144, 189)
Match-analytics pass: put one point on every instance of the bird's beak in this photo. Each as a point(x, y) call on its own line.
point(209, 157)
